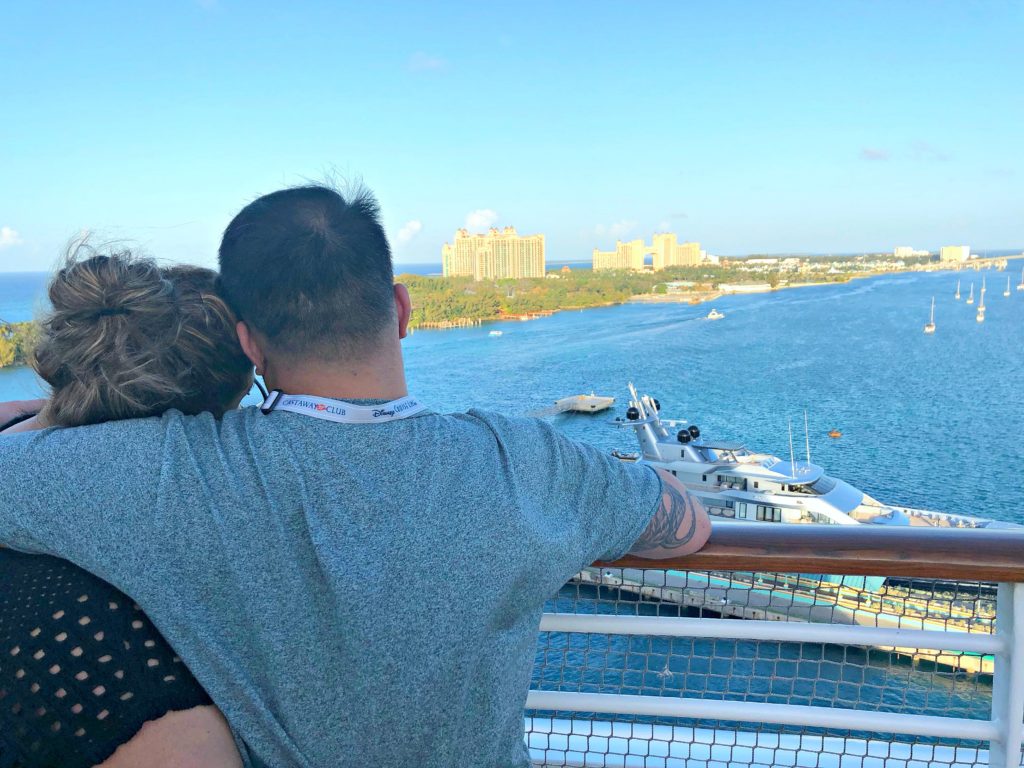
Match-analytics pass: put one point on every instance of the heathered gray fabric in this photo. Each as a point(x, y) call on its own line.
point(349, 595)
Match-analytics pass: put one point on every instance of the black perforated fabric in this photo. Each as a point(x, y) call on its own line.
point(81, 667)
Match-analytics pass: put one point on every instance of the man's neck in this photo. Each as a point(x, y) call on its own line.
point(382, 379)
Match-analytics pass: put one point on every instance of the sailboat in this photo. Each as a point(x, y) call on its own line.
point(970, 299)
point(1007, 291)
point(980, 317)
point(957, 296)
point(1021, 286)
point(930, 325)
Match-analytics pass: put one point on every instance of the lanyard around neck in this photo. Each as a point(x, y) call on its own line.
point(341, 412)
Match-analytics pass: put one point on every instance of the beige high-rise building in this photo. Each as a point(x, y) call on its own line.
point(665, 249)
point(664, 246)
point(687, 255)
point(496, 255)
point(629, 255)
point(955, 253)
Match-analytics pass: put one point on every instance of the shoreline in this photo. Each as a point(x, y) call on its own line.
point(693, 299)
point(702, 297)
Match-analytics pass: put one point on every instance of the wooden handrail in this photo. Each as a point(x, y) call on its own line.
point(855, 550)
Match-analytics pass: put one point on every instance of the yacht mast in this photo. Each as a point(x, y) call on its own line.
point(792, 457)
point(807, 437)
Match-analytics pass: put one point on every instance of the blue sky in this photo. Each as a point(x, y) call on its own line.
point(751, 127)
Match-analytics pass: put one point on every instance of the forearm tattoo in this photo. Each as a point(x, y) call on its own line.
point(673, 525)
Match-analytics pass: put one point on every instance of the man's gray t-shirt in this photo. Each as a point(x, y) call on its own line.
point(347, 594)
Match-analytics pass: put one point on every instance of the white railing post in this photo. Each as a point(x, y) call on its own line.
point(1008, 678)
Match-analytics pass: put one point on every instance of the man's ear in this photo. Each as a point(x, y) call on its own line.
point(251, 347)
point(403, 306)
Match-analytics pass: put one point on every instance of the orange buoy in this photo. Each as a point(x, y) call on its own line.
point(835, 433)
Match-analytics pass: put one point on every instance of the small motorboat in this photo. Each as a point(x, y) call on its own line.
point(495, 333)
point(714, 314)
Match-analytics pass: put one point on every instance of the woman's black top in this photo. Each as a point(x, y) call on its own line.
point(81, 667)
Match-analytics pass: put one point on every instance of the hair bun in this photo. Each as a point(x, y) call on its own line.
point(127, 339)
point(92, 287)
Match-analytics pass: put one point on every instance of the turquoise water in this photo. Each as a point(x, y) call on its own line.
point(927, 421)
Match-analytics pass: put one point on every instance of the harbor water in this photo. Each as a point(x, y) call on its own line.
point(928, 421)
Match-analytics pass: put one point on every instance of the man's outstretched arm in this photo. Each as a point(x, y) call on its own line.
point(679, 527)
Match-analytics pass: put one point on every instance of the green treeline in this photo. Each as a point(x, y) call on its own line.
point(16, 343)
point(440, 300)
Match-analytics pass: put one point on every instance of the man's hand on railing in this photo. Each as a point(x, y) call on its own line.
point(679, 527)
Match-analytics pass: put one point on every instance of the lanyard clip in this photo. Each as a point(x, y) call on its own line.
point(271, 401)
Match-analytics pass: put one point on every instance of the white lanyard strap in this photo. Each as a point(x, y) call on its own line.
point(341, 412)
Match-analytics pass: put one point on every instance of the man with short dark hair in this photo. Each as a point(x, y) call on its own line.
point(354, 579)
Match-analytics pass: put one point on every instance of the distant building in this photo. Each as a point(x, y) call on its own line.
point(679, 286)
point(665, 250)
point(670, 253)
point(906, 252)
point(687, 254)
point(955, 253)
point(498, 254)
point(744, 287)
point(625, 256)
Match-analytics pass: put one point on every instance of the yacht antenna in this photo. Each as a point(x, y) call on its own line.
point(792, 458)
point(807, 437)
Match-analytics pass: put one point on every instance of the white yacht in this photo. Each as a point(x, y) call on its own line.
point(735, 482)
point(929, 327)
point(1007, 291)
point(1020, 286)
point(714, 314)
point(970, 299)
point(980, 317)
point(957, 294)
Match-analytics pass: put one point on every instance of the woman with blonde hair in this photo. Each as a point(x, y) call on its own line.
point(82, 669)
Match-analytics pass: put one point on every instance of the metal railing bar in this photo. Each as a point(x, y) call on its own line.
point(756, 712)
point(984, 554)
point(780, 631)
point(1008, 681)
